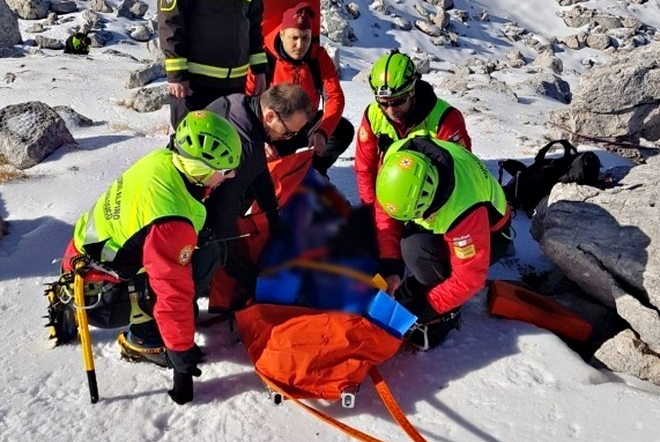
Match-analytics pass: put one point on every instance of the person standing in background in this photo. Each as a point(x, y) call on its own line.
point(209, 48)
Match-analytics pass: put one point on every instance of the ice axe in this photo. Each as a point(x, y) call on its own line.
point(81, 267)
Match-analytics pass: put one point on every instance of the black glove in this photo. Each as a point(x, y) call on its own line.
point(185, 367)
point(182, 392)
point(275, 224)
point(409, 290)
point(390, 266)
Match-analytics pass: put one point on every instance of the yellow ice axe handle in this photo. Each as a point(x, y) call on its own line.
point(83, 330)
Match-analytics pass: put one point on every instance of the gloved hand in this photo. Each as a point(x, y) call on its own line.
point(409, 290)
point(390, 266)
point(182, 392)
point(185, 367)
point(275, 224)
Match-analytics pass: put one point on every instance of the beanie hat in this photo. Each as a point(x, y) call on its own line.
point(299, 17)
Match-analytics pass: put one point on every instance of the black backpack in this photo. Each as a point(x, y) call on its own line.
point(529, 184)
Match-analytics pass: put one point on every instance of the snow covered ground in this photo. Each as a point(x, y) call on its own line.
point(495, 380)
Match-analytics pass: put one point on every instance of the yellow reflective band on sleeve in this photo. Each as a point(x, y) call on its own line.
point(215, 72)
point(258, 58)
point(176, 64)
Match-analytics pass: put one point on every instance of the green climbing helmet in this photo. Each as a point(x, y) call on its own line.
point(406, 185)
point(392, 75)
point(206, 136)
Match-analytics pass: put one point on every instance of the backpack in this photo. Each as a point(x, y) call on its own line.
point(530, 184)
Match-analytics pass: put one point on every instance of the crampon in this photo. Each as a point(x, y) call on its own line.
point(135, 352)
point(61, 315)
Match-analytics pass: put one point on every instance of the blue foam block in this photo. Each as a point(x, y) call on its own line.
point(390, 315)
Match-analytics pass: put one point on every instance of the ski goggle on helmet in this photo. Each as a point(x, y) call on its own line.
point(393, 75)
point(209, 138)
point(406, 185)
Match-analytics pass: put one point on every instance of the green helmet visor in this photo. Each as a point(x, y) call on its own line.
point(406, 185)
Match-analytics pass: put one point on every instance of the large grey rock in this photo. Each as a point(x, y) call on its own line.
point(626, 353)
point(30, 9)
point(550, 85)
point(9, 33)
point(71, 118)
point(48, 42)
point(64, 7)
point(99, 6)
point(145, 75)
point(31, 131)
point(149, 99)
point(547, 59)
point(131, 9)
point(577, 16)
point(619, 100)
point(608, 242)
point(334, 24)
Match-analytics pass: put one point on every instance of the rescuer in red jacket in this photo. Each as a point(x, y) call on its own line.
point(294, 57)
point(404, 106)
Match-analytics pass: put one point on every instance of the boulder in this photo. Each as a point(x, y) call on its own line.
point(9, 33)
point(619, 100)
point(30, 9)
point(608, 242)
point(145, 75)
point(625, 353)
point(31, 131)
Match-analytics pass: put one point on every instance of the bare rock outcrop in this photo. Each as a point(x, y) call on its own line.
point(617, 101)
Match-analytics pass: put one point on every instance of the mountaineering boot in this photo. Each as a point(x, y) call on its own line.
point(432, 333)
point(135, 349)
point(61, 315)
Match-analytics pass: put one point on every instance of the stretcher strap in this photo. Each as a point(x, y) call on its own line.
point(385, 395)
point(393, 407)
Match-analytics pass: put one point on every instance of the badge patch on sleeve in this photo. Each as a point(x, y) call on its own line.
point(186, 254)
point(464, 247)
point(364, 136)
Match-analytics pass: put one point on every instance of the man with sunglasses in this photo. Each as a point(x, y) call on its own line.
point(278, 114)
point(405, 106)
point(294, 57)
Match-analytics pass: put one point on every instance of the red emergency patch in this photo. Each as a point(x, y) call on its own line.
point(186, 254)
point(464, 247)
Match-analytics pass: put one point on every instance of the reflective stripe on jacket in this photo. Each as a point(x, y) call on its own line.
point(214, 40)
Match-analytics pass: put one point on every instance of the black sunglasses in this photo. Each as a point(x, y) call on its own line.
point(393, 103)
point(289, 133)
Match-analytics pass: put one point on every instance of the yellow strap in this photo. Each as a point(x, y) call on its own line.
point(376, 281)
point(347, 429)
point(385, 395)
